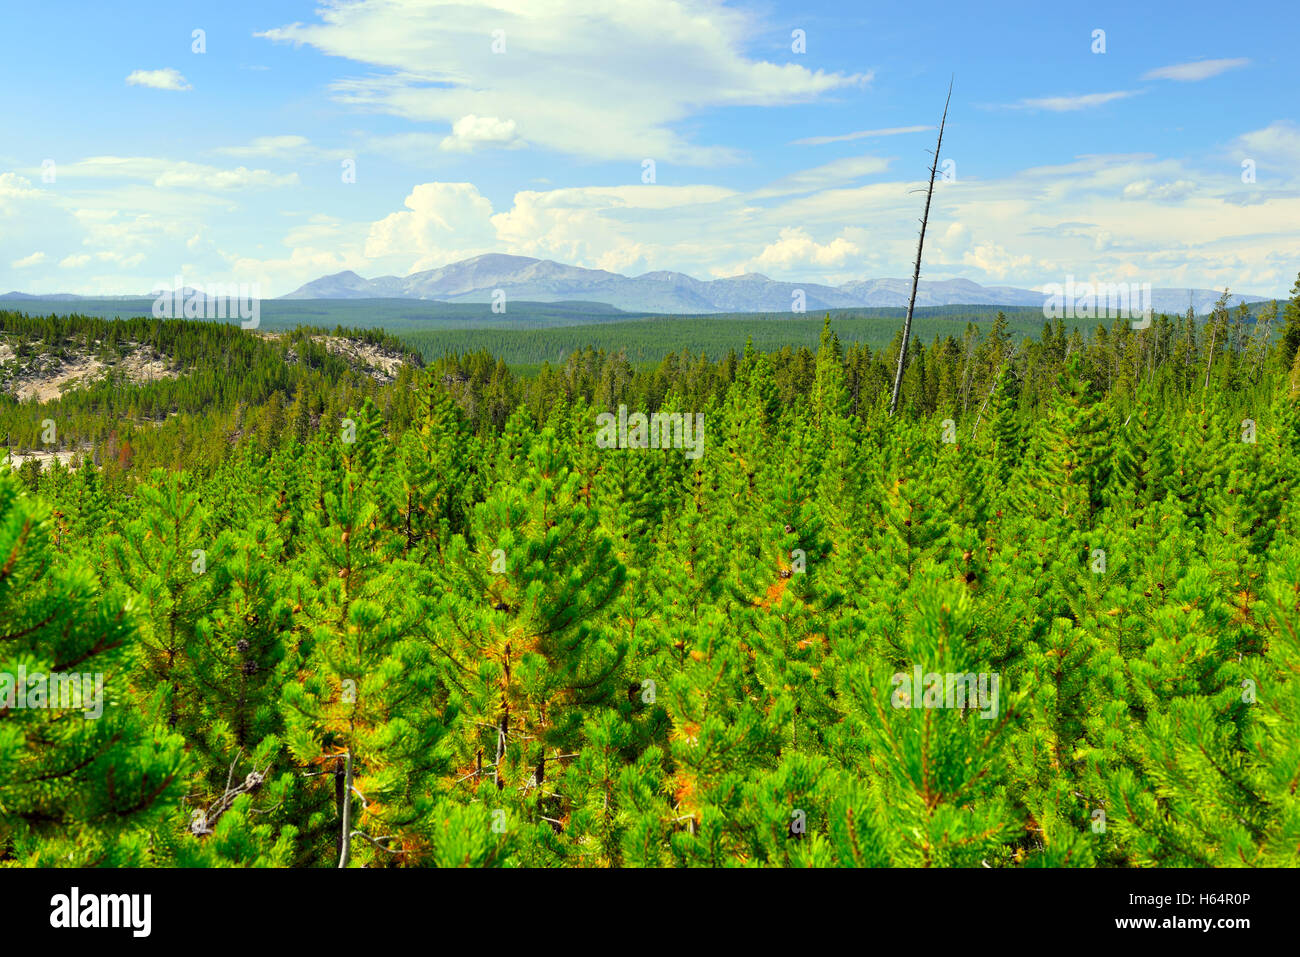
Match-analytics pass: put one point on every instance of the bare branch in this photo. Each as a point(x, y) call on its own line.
point(204, 822)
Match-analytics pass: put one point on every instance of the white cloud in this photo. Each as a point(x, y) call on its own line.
point(601, 227)
point(288, 148)
point(113, 230)
point(443, 222)
point(164, 173)
point(1196, 70)
point(1014, 230)
point(1159, 192)
point(16, 193)
point(600, 81)
point(414, 148)
point(607, 227)
point(168, 79)
point(121, 259)
point(470, 132)
point(836, 173)
point(1175, 222)
point(277, 275)
point(861, 134)
point(319, 229)
point(270, 146)
point(1063, 104)
point(199, 176)
point(797, 248)
point(1276, 145)
point(948, 246)
point(993, 260)
point(32, 260)
point(13, 186)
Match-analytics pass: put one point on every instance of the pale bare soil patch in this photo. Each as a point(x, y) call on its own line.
point(45, 376)
point(379, 363)
point(16, 459)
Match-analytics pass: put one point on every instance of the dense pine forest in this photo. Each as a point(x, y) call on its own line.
point(431, 615)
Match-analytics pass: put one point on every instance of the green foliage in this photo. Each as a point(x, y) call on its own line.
point(1048, 616)
point(86, 777)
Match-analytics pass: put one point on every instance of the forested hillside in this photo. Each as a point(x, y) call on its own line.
point(649, 340)
point(179, 392)
point(433, 618)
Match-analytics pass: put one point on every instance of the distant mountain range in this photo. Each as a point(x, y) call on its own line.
point(60, 297)
point(543, 280)
point(522, 278)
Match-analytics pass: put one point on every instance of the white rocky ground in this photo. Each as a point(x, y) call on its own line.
point(378, 363)
point(44, 377)
point(16, 459)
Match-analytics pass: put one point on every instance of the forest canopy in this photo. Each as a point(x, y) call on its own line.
point(1046, 615)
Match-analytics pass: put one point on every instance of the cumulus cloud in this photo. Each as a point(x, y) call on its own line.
point(995, 261)
point(168, 79)
point(604, 226)
point(13, 186)
point(471, 132)
point(442, 222)
point(796, 247)
point(1008, 230)
point(32, 260)
point(822, 224)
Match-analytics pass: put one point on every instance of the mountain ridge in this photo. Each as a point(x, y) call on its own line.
point(666, 292)
point(669, 292)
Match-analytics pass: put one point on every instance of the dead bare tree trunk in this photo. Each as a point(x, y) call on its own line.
point(1219, 307)
point(1214, 332)
point(347, 813)
point(969, 351)
point(1266, 315)
point(1002, 367)
point(916, 271)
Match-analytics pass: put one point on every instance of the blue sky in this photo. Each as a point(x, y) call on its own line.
point(228, 165)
